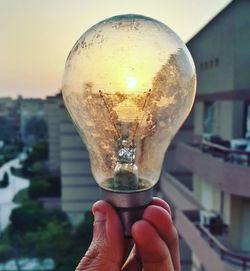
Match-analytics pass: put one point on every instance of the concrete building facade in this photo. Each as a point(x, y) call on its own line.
point(79, 189)
point(9, 120)
point(218, 157)
point(53, 117)
point(68, 157)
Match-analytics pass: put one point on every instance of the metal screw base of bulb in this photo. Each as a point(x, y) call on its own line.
point(129, 206)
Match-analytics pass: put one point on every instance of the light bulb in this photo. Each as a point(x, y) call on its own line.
point(129, 84)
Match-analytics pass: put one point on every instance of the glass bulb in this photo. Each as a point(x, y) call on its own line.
point(129, 84)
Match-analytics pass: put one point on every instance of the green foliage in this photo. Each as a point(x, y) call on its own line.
point(31, 216)
point(8, 152)
point(83, 233)
point(16, 171)
point(5, 250)
point(39, 152)
point(39, 188)
point(53, 240)
point(5, 181)
point(81, 238)
point(41, 233)
point(21, 196)
point(38, 167)
point(44, 186)
point(2, 160)
point(35, 162)
point(42, 183)
point(38, 232)
point(26, 218)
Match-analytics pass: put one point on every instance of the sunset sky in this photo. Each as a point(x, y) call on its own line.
point(36, 36)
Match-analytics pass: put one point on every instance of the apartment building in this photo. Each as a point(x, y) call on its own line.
point(212, 214)
point(9, 119)
point(79, 189)
point(53, 117)
point(68, 157)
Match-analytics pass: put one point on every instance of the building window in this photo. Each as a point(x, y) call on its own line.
point(210, 64)
point(216, 62)
point(208, 119)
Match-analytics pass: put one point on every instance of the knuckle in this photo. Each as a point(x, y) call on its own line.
point(89, 259)
point(92, 252)
point(96, 259)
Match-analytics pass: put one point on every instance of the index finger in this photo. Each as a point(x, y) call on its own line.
point(162, 222)
point(162, 203)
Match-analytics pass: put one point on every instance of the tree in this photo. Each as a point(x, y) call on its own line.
point(40, 151)
point(44, 186)
point(32, 216)
point(82, 235)
point(54, 241)
point(40, 233)
point(36, 159)
point(5, 250)
point(5, 181)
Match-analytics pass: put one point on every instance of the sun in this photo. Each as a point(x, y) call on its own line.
point(131, 82)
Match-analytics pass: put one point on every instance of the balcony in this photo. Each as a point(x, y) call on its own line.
point(227, 169)
point(212, 254)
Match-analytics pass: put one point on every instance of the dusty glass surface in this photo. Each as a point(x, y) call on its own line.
point(129, 84)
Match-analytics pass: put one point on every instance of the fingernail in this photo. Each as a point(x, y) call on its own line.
point(99, 216)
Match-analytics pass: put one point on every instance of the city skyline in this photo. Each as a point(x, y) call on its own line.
point(37, 36)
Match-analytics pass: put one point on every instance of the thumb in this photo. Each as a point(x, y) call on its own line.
point(106, 249)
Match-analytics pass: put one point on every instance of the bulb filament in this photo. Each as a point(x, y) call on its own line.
point(109, 111)
point(126, 152)
point(138, 124)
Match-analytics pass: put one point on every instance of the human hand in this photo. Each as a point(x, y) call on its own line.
point(156, 245)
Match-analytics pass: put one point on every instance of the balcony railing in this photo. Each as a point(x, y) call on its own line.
point(225, 254)
point(232, 178)
point(211, 252)
point(227, 154)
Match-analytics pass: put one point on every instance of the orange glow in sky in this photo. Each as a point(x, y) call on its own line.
point(36, 36)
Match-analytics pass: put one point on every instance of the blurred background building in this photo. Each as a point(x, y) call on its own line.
point(53, 117)
point(68, 158)
point(32, 120)
point(212, 209)
point(9, 119)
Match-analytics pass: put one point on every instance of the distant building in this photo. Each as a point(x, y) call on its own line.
point(9, 120)
point(31, 112)
point(213, 217)
point(53, 117)
point(68, 157)
point(79, 189)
